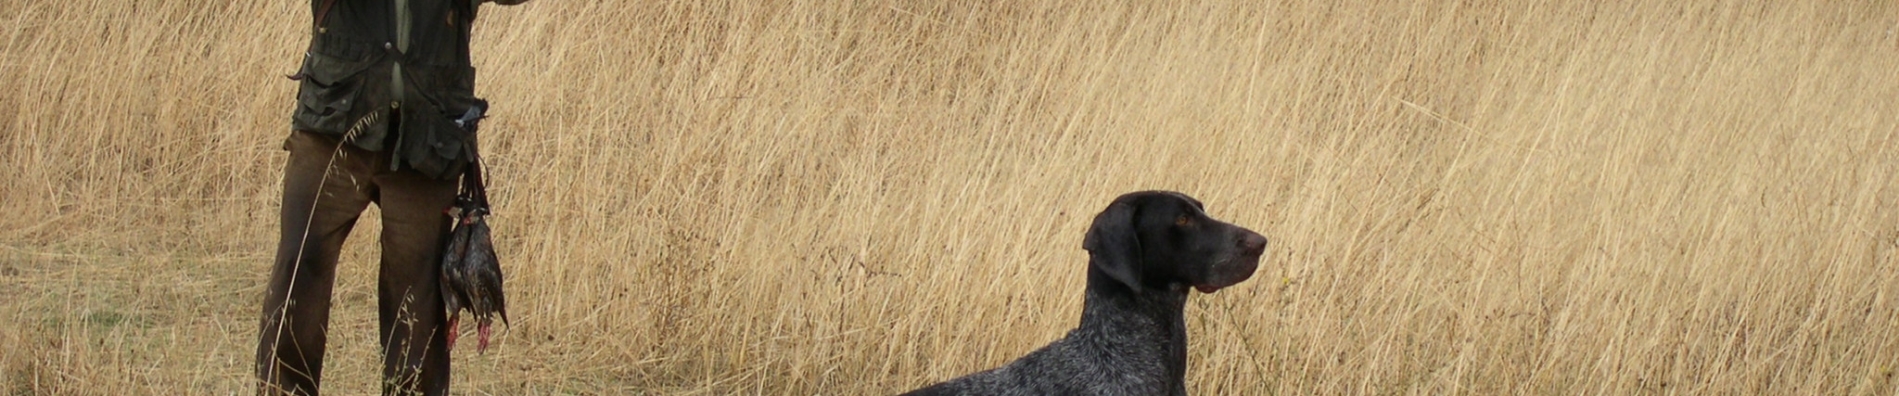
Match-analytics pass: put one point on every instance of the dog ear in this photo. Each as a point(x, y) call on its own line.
point(1113, 245)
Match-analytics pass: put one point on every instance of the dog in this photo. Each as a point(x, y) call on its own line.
point(1144, 252)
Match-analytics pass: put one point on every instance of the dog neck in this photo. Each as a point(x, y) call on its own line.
point(1150, 321)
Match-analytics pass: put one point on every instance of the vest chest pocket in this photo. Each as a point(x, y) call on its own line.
point(331, 94)
point(432, 144)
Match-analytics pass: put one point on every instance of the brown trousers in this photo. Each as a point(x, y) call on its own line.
point(325, 190)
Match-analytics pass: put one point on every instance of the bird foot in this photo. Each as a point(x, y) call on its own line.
point(452, 331)
point(481, 333)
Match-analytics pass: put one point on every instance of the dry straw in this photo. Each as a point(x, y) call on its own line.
point(1591, 197)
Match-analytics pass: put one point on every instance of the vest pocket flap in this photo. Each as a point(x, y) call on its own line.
point(326, 70)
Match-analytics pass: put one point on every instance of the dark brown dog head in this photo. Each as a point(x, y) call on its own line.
point(1163, 240)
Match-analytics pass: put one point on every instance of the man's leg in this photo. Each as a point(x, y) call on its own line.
point(320, 205)
point(409, 297)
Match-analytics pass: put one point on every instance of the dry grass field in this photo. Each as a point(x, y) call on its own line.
point(857, 198)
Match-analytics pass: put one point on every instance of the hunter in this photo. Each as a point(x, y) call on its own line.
point(380, 87)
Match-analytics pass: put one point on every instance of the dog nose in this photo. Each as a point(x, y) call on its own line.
point(1252, 244)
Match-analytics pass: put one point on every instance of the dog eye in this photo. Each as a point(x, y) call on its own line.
point(1182, 221)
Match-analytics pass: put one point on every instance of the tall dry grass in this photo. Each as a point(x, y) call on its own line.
point(803, 197)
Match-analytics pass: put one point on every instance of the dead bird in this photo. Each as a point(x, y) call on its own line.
point(471, 275)
point(453, 298)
